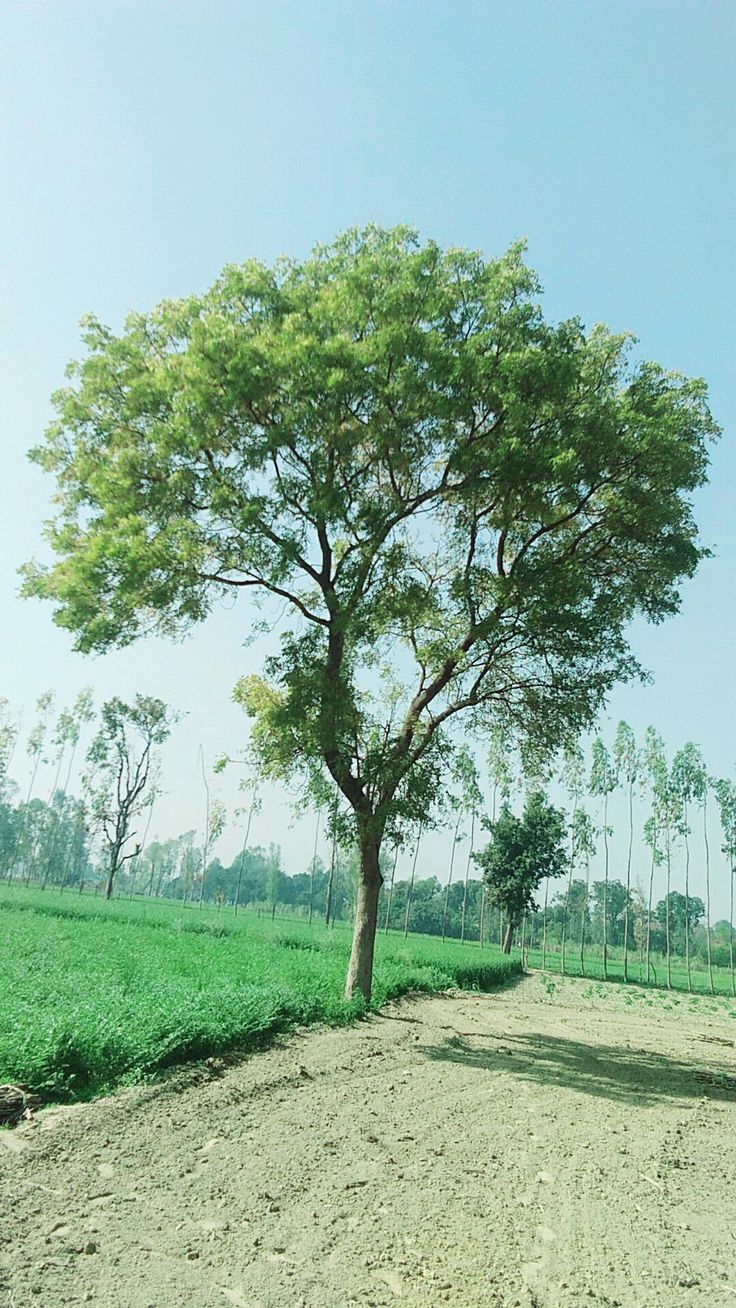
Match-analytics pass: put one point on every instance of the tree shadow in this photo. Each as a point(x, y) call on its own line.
point(635, 1076)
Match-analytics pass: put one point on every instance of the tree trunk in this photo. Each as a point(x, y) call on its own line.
point(110, 880)
point(314, 868)
point(544, 925)
point(508, 938)
point(390, 895)
point(410, 891)
point(584, 915)
point(360, 967)
point(331, 879)
point(667, 913)
point(687, 908)
point(565, 915)
point(730, 935)
point(707, 896)
point(628, 881)
point(73, 839)
point(467, 877)
point(246, 838)
point(605, 889)
point(649, 914)
point(449, 879)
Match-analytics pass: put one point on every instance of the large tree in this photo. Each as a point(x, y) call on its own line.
point(390, 440)
point(521, 854)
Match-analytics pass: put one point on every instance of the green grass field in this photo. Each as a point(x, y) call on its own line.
point(593, 968)
point(94, 995)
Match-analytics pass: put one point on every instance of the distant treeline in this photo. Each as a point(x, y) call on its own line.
point(90, 841)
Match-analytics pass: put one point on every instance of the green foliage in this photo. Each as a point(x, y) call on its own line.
point(521, 853)
point(726, 797)
point(287, 430)
point(37, 835)
point(8, 738)
point(583, 840)
point(499, 766)
point(390, 439)
point(683, 911)
point(573, 772)
point(603, 779)
point(626, 757)
point(94, 994)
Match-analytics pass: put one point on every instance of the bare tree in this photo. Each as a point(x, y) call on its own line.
point(123, 757)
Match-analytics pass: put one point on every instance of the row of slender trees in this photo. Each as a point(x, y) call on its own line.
point(100, 834)
point(623, 919)
point(51, 839)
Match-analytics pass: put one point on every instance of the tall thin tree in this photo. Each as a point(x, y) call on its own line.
point(602, 784)
point(123, 757)
point(313, 868)
point(456, 838)
point(726, 797)
point(627, 763)
point(706, 849)
point(81, 713)
point(586, 846)
point(390, 895)
point(467, 876)
point(252, 808)
point(665, 813)
point(689, 781)
point(573, 772)
point(410, 889)
point(205, 842)
point(651, 838)
point(34, 749)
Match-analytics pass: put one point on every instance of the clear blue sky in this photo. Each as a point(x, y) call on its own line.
point(144, 145)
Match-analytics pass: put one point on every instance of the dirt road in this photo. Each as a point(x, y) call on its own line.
point(566, 1146)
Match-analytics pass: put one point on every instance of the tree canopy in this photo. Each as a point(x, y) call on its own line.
point(521, 853)
point(460, 505)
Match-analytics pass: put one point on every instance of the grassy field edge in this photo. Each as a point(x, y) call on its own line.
point(96, 995)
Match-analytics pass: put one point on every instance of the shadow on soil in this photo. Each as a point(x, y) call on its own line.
point(636, 1076)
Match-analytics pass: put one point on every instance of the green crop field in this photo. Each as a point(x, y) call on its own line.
point(95, 994)
point(723, 984)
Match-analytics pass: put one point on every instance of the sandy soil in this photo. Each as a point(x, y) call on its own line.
point(544, 1148)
